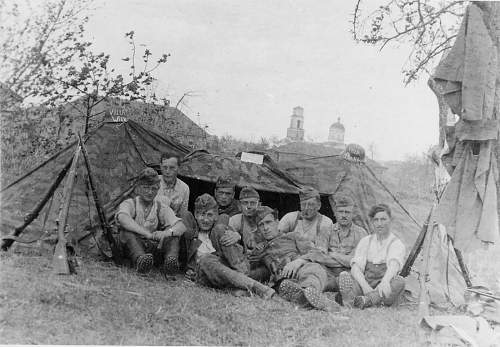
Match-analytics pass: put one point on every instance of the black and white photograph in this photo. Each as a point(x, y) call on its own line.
point(250, 173)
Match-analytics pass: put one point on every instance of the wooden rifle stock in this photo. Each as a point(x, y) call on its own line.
point(8, 241)
point(100, 211)
point(417, 246)
point(60, 262)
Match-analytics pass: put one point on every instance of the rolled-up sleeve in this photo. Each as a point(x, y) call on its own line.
point(286, 223)
point(361, 252)
point(126, 207)
point(167, 216)
point(397, 252)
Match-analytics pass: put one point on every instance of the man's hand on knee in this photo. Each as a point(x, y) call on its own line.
point(290, 270)
point(230, 237)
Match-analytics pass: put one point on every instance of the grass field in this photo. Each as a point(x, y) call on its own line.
point(103, 304)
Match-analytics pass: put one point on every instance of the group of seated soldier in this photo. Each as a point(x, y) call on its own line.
point(243, 246)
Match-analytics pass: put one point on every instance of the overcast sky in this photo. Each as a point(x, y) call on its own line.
point(251, 62)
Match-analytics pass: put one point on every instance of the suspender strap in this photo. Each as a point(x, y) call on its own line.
point(388, 246)
point(318, 225)
point(157, 212)
point(296, 222)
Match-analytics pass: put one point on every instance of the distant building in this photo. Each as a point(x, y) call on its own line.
point(296, 130)
point(336, 135)
point(295, 147)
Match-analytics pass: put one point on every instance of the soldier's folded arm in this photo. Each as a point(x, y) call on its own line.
point(125, 220)
point(320, 257)
point(175, 226)
point(343, 260)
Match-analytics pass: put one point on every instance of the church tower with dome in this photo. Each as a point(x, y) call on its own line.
point(295, 142)
point(336, 135)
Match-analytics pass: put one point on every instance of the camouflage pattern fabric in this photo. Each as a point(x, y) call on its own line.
point(208, 167)
point(118, 152)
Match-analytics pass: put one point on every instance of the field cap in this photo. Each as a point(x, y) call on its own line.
point(248, 192)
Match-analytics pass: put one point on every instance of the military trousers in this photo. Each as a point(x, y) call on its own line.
point(214, 271)
point(312, 275)
point(373, 275)
point(134, 246)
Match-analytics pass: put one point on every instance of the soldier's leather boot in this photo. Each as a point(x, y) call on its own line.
point(144, 263)
point(346, 288)
point(291, 291)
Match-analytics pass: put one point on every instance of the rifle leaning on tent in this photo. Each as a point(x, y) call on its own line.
point(483, 293)
point(60, 264)
point(417, 247)
point(7, 241)
point(115, 251)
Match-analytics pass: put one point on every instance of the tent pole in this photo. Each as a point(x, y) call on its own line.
point(392, 195)
point(60, 264)
point(100, 211)
point(463, 267)
point(424, 300)
point(30, 217)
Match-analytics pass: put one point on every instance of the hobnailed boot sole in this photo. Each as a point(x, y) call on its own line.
point(144, 263)
point(170, 266)
point(319, 301)
point(346, 288)
point(291, 291)
point(361, 302)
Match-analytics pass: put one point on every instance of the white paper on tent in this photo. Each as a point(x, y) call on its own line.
point(252, 158)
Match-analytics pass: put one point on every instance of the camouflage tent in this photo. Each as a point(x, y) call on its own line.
point(117, 153)
point(349, 174)
point(277, 188)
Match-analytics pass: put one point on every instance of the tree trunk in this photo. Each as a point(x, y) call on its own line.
point(444, 110)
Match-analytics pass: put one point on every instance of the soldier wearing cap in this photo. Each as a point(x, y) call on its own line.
point(210, 261)
point(346, 236)
point(296, 279)
point(308, 222)
point(149, 229)
point(244, 223)
point(224, 195)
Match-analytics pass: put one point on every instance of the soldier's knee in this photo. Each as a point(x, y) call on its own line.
point(317, 267)
point(314, 269)
point(398, 283)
